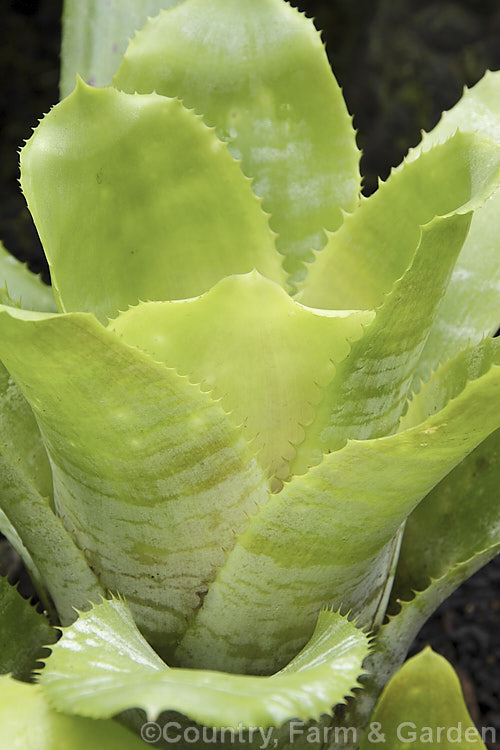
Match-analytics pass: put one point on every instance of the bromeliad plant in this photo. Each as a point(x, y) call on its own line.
point(262, 412)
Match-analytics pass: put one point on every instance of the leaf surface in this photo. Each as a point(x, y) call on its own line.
point(23, 633)
point(22, 286)
point(27, 721)
point(162, 209)
point(27, 517)
point(96, 34)
point(454, 504)
point(326, 536)
point(257, 71)
point(376, 244)
point(423, 707)
point(150, 475)
point(250, 345)
point(102, 665)
point(471, 307)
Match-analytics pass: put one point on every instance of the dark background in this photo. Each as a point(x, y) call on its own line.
point(400, 63)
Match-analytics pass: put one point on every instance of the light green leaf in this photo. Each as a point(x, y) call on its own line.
point(257, 71)
point(27, 517)
point(27, 721)
point(327, 536)
point(162, 209)
point(376, 244)
point(250, 345)
point(426, 552)
point(96, 34)
point(423, 707)
point(367, 396)
point(471, 307)
point(102, 666)
point(369, 391)
point(22, 286)
point(150, 475)
point(23, 633)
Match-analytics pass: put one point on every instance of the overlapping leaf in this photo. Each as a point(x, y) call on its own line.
point(471, 307)
point(370, 388)
point(102, 666)
point(23, 633)
point(376, 244)
point(248, 343)
point(325, 536)
point(257, 71)
point(149, 473)
point(162, 209)
point(27, 517)
point(22, 286)
point(96, 34)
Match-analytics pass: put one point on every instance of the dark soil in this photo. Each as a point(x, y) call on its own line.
point(400, 64)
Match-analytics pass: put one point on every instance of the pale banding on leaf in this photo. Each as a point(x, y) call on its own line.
point(162, 209)
point(150, 474)
point(258, 72)
point(248, 343)
point(325, 536)
point(102, 666)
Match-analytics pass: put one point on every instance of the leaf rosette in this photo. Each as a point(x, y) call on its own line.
point(224, 421)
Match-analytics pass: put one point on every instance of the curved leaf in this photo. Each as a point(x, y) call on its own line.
point(23, 633)
point(58, 568)
point(250, 345)
point(102, 666)
point(96, 34)
point(257, 71)
point(27, 721)
point(376, 243)
point(326, 536)
point(150, 475)
point(369, 391)
point(22, 286)
point(423, 707)
point(162, 209)
point(453, 505)
point(471, 307)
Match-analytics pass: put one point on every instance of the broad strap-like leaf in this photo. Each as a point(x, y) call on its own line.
point(162, 209)
point(23, 287)
point(249, 344)
point(257, 71)
point(467, 504)
point(367, 396)
point(58, 568)
point(96, 34)
point(326, 536)
point(376, 244)
point(471, 307)
point(28, 721)
point(423, 707)
point(23, 633)
point(102, 666)
point(369, 391)
point(150, 474)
